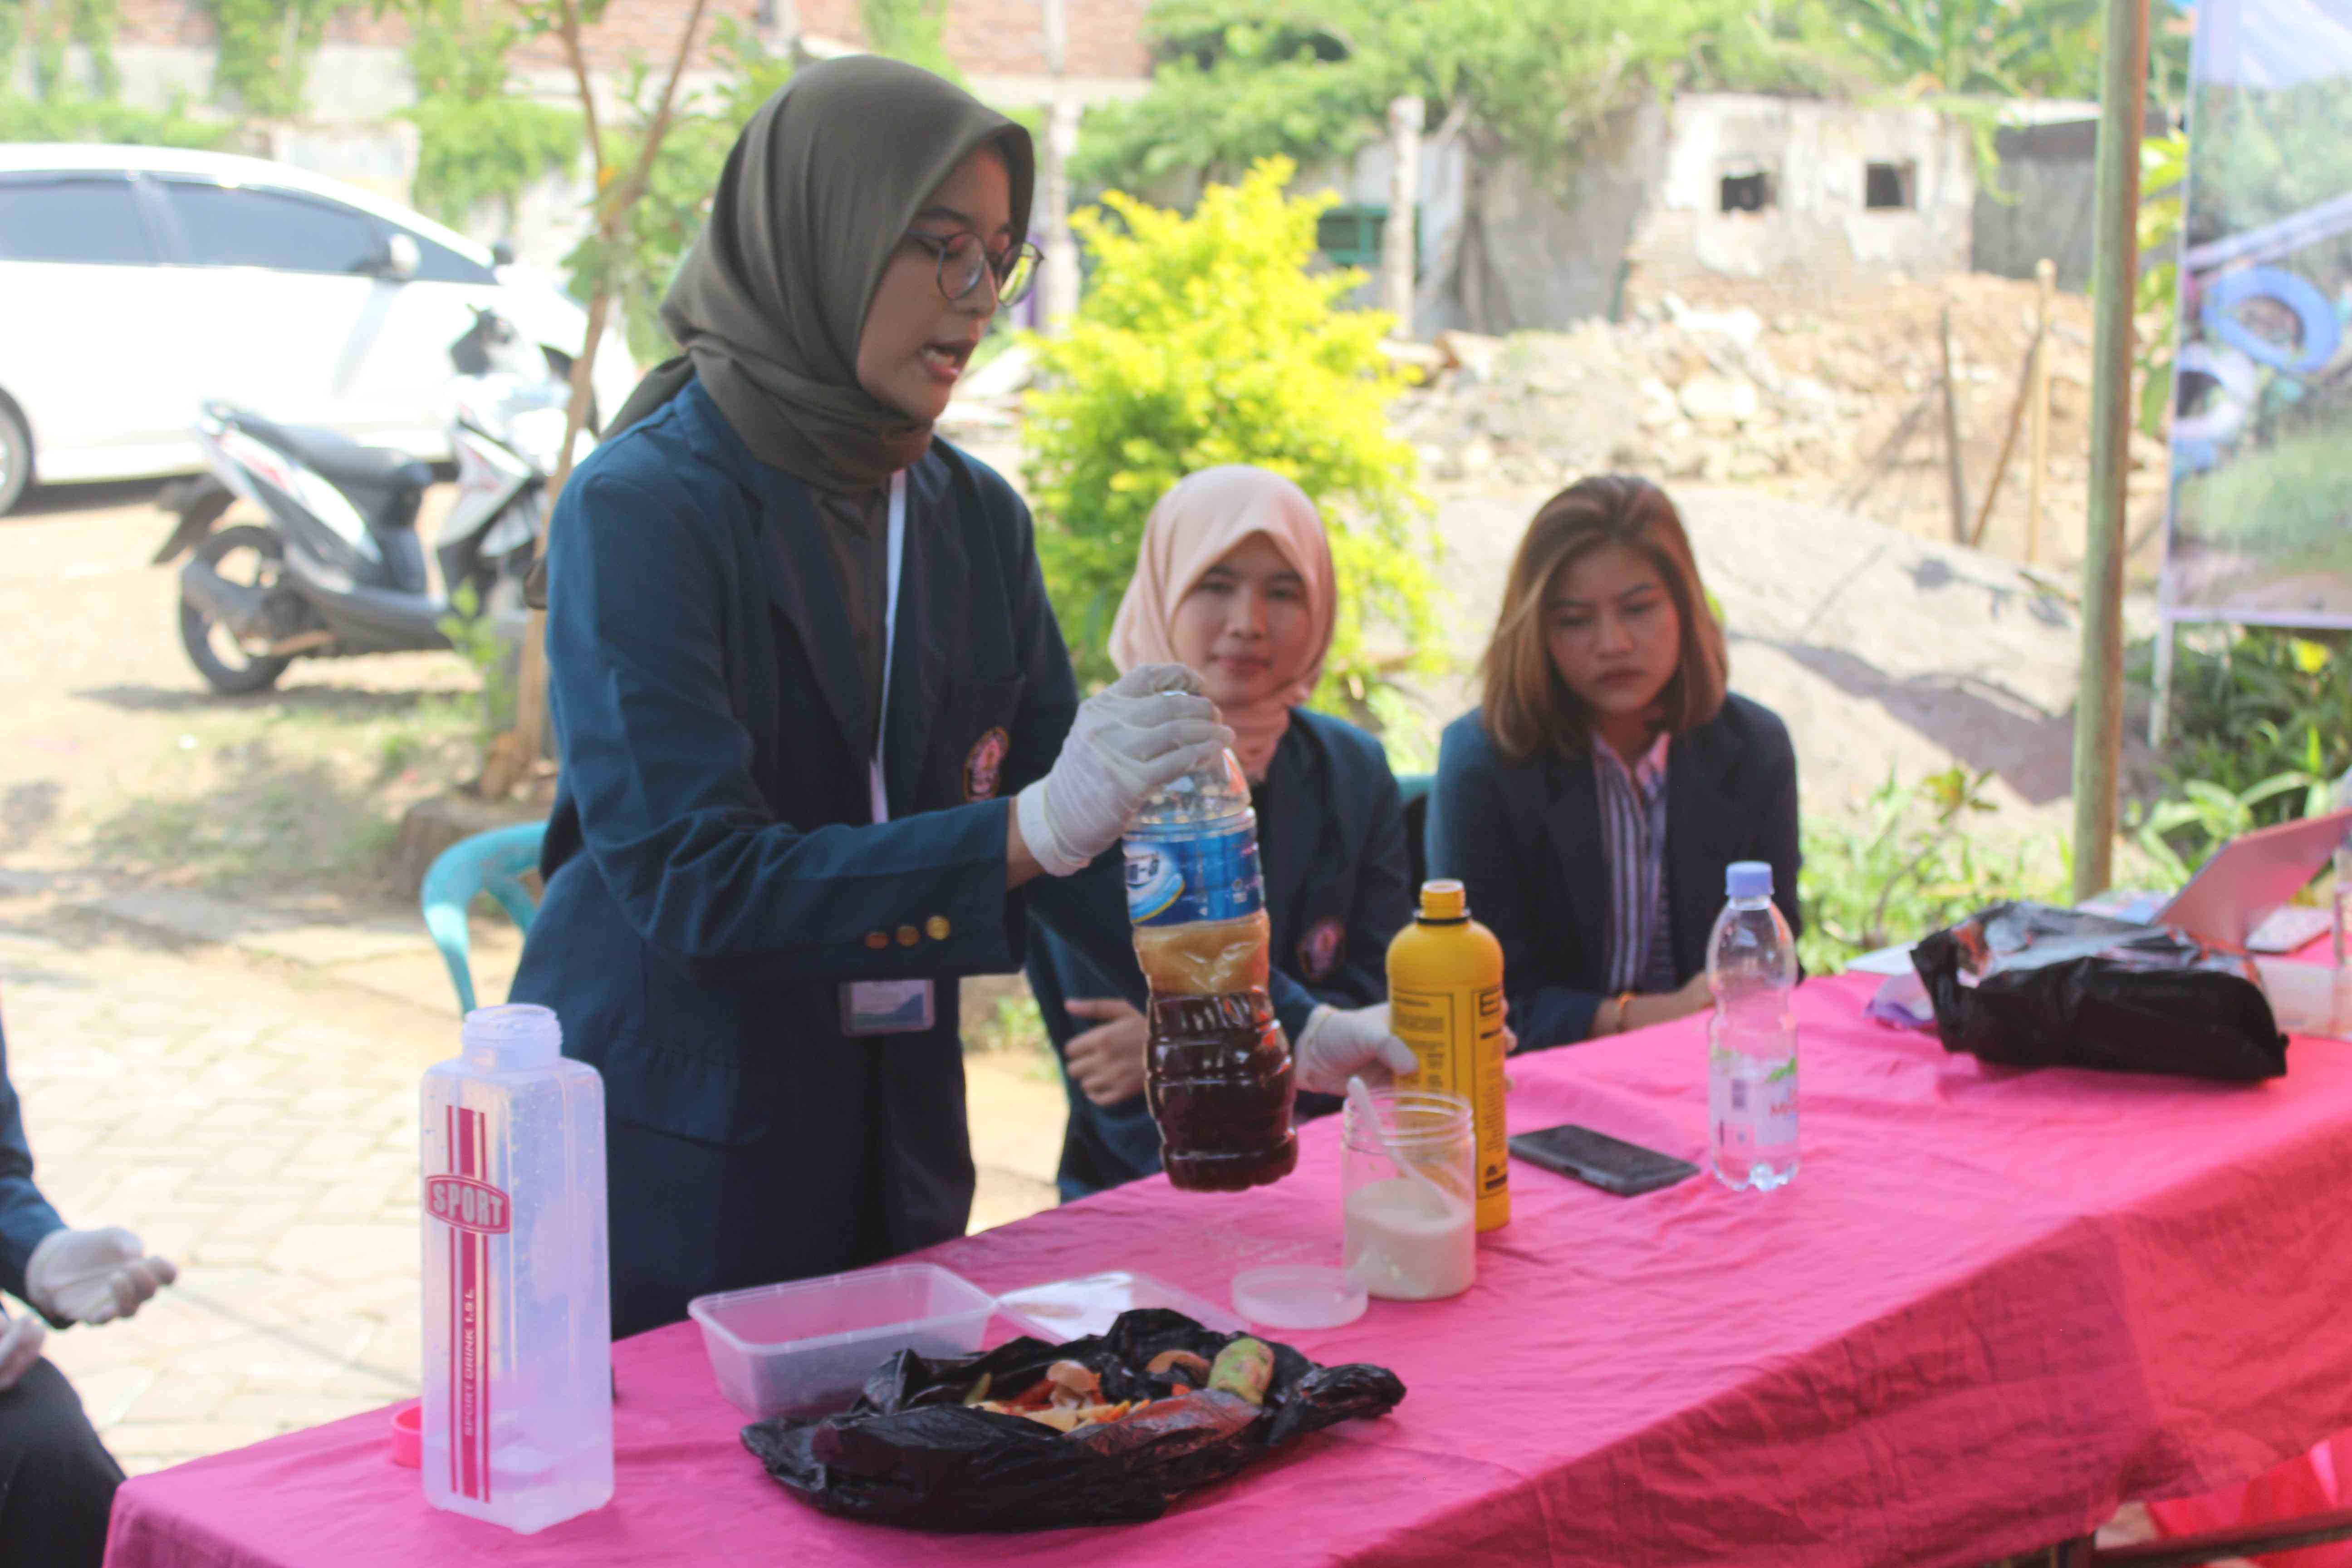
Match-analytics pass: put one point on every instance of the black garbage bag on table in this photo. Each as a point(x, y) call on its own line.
point(2031, 986)
point(910, 1453)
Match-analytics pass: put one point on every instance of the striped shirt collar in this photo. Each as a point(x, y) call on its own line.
point(1633, 803)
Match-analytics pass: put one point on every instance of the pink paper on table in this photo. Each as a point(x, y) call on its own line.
point(1992, 1305)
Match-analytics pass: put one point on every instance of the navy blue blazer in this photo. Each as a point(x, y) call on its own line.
point(713, 875)
point(1526, 842)
point(1337, 887)
point(25, 1216)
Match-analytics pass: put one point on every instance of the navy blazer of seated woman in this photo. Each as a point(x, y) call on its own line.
point(1337, 887)
point(1526, 841)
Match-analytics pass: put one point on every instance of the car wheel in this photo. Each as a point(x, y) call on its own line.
point(15, 459)
point(251, 557)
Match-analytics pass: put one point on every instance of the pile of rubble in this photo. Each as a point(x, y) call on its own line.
point(1838, 401)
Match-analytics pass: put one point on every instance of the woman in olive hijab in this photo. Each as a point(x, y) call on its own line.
point(815, 719)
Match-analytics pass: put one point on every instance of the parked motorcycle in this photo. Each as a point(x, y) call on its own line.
point(338, 568)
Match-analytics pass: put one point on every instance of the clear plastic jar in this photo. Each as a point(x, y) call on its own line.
point(1411, 1235)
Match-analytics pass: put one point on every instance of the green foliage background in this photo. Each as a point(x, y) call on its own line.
point(1206, 340)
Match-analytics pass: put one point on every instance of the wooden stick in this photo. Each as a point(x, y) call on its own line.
point(2099, 708)
point(1957, 474)
point(2008, 443)
point(2037, 476)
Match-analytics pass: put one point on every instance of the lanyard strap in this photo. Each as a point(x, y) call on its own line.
point(896, 553)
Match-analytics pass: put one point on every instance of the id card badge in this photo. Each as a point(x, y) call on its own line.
point(887, 1007)
point(870, 1007)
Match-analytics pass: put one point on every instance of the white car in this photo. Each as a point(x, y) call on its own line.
point(136, 283)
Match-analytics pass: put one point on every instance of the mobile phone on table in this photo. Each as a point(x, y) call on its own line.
point(1610, 1164)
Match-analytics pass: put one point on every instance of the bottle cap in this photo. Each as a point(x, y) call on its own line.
point(1443, 900)
point(1298, 1296)
point(518, 1035)
point(1747, 879)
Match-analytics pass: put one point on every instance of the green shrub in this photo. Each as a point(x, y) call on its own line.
point(1208, 340)
point(472, 149)
point(494, 659)
point(74, 117)
point(2251, 705)
point(1912, 865)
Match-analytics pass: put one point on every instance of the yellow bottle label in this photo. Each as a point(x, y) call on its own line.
point(1457, 1034)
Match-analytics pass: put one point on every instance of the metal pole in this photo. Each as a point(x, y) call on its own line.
point(2115, 272)
point(2045, 273)
point(1397, 240)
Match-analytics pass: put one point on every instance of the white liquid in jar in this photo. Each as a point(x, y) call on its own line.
point(1407, 1241)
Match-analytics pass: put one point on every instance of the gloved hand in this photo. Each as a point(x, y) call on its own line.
point(93, 1276)
point(1151, 728)
point(20, 1347)
point(1339, 1044)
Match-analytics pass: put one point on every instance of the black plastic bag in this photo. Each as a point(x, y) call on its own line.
point(2029, 985)
point(910, 1453)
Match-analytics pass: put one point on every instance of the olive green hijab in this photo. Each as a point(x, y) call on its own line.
point(772, 301)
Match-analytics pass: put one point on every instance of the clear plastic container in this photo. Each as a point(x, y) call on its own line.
point(1410, 1198)
point(518, 1417)
point(809, 1346)
point(1072, 1309)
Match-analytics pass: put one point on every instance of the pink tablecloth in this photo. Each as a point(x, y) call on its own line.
point(1994, 1305)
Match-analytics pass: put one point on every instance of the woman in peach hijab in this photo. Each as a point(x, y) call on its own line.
point(1234, 580)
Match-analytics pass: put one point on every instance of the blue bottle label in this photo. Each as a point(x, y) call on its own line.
point(1180, 881)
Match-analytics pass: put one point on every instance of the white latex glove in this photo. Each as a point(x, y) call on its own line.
point(93, 1276)
point(1149, 729)
point(1339, 1044)
point(20, 1347)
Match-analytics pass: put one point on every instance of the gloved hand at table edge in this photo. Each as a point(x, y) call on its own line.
point(1340, 1043)
point(93, 1276)
point(1148, 729)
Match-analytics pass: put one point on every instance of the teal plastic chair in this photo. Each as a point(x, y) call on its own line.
point(491, 863)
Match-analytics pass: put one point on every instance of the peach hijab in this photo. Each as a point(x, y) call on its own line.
point(1195, 525)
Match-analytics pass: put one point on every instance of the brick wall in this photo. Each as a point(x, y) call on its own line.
point(984, 37)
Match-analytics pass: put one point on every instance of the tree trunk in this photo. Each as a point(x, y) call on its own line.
point(1402, 232)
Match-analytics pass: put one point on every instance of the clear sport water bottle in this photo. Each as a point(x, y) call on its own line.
point(1216, 1070)
point(517, 1420)
point(1751, 1056)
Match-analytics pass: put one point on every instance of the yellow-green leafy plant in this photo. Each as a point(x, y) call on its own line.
point(1214, 338)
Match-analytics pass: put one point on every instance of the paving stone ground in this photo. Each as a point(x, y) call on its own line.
point(255, 1120)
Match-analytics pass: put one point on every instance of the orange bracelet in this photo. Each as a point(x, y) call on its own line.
point(1617, 1025)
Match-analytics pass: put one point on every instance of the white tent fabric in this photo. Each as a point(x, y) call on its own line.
point(2272, 43)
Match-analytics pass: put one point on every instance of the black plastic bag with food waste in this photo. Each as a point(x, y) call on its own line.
point(911, 1452)
point(2031, 986)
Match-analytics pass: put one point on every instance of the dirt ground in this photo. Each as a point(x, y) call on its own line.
point(118, 765)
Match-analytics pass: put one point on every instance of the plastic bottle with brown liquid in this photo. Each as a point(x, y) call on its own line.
point(1446, 1001)
point(1216, 1067)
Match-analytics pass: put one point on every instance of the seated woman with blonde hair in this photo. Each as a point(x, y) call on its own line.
point(1593, 801)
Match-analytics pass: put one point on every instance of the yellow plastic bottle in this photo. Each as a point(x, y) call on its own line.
point(1446, 1001)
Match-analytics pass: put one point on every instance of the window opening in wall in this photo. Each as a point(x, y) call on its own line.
point(1888, 186)
point(1747, 192)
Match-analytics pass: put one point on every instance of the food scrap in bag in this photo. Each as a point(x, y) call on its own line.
point(1103, 1430)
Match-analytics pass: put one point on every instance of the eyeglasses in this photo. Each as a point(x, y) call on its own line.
point(963, 261)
